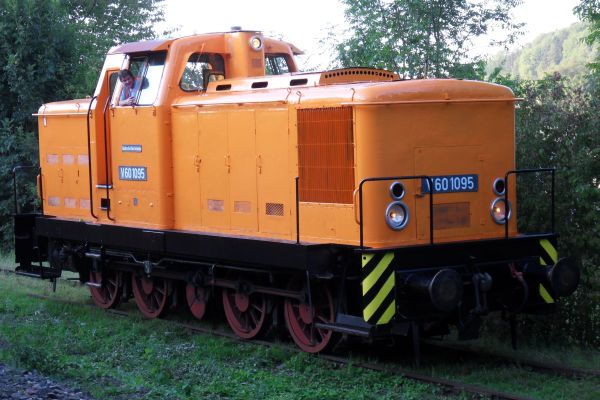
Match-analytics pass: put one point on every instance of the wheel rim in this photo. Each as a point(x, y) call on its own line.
point(151, 295)
point(196, 297)
point(109, 294)
point(300, 319)
point(246, 314)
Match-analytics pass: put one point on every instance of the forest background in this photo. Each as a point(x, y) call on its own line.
point(53, 50)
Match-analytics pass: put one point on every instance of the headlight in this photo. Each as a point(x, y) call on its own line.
point(256, 43)
point(396, 215)
point(499, 186)
point(499, 211)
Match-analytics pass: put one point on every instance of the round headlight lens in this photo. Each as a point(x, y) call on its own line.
point(396, 215)
point(500, 211)
point(256, 43)
point(397, 190)
point(499, 186)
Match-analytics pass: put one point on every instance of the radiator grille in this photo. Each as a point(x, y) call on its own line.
point(326, 155)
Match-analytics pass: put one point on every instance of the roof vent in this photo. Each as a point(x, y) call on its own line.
point(236, 28)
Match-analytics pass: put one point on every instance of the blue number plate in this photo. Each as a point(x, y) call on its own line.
point(127, 173)
point(451, 184)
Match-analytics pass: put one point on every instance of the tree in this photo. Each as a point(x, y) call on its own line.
point(589, 11)
point(53, 50)
point(37, 55)
point(557, 126)
point(102, 24)
point(421, 38)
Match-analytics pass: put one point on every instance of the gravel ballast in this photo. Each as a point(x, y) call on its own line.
point(31, 385)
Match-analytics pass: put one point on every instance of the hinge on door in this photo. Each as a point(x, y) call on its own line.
point(228, 163)
point(197, 161)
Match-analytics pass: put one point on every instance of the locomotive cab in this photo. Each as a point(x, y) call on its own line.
point(354, 201)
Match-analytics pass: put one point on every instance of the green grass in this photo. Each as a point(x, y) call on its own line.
point(128, 358)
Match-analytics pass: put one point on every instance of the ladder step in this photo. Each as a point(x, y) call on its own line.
point(349, 324)
point(94, 285)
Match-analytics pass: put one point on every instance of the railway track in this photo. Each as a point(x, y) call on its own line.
point(390, 368)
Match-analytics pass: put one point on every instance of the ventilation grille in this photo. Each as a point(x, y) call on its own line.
point(357, 75)
point(326, 155)
point(274, 209)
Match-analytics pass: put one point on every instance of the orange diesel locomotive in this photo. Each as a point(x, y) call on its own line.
point(346, 201)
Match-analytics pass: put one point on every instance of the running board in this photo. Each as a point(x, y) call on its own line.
point(39, 272)
point(348, 324)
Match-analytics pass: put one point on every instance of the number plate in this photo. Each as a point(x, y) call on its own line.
point(132, 173)
point(451, 184)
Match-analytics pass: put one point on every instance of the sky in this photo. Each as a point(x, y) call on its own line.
point(306, 22)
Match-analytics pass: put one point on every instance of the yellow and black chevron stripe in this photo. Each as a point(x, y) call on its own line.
point(378, 281)
point(549, 257)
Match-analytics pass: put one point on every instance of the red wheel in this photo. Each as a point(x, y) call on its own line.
point(300, 319)
point(245, 313)
point(196, 297)
point(151, 294)
point(108, 294)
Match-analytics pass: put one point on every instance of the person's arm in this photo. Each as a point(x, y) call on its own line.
point(127, 101)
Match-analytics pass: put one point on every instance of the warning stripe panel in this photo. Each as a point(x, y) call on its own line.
point(548, 257)
point(378, 283)
point(549, 253)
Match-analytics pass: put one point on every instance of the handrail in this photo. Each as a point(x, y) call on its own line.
point(65, 114)
point(297, 213)
point(526, 171)
point(395, 178)
point(89, 112)
point(432, 101)
point(14, 173)
point(106, 158)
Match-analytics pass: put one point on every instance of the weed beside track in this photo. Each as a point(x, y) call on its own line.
point(118, 358)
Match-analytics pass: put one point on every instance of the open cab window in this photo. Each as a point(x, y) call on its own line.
point(147, 71)
point(200, 70)
point(276, 64)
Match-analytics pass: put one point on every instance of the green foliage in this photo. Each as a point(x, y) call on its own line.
point(557, 126)
point(37, 57)
point(589, 11)
point(102, 24)
point(53, 50)
point(417, 38)
point(562, 51)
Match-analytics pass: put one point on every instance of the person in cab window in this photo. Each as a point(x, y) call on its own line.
point(130, 88)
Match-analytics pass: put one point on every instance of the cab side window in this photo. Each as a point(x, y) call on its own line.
point(200, 70)
point(147, 71)
point(153, 70)
point(276, 64)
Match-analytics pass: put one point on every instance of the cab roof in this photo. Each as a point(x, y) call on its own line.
point(163, 44)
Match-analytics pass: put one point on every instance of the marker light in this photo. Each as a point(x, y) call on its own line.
point(499, 211)
point(499, 186)
point(396, 215)
point(256, 43)
point(397, 190)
